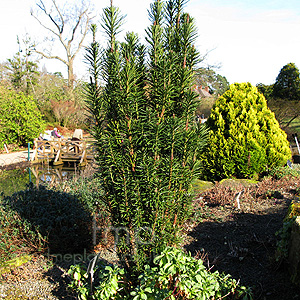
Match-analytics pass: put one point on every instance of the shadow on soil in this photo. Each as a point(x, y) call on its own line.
point(244, 247)
point(57, 276)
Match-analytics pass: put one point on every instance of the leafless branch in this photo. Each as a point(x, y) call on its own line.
point(51, 56)
point(86, 28)
point(60, 15)
point(71, 44)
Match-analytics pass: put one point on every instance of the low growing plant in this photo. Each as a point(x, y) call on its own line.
point(59, 216)
point(88, 190)
point(18, 236)
point(174, 275)
point(282, 171)
point(285, 232)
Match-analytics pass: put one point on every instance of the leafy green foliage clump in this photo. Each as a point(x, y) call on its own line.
point(87, 189)
point(17, 235)
point(283, 244)
point(284, 171)
point(20, 119)
point(175, 275)
point(59, 216)
point(245, 138)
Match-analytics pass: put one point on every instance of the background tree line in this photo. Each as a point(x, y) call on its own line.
point(47, 99)
point(283, 96)
point(58, 101)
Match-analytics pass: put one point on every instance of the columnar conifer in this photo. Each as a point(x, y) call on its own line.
point(148, 142)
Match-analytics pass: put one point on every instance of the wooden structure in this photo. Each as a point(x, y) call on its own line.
point(59, 151)
point(44, 174)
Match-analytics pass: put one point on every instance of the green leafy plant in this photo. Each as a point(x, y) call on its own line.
point(20, 120)
point(245, 138)
point(148, 142)
point(285, 232)
point(59, 216)
point(18, 236)
point(283, 171)
point(174, 275)
point(88, 190)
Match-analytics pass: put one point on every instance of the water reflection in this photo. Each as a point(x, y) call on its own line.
point(48, 174)
point(15, 180)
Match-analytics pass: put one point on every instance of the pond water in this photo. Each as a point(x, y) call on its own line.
point(12, 181)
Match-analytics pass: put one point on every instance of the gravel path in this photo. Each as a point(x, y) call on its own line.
point(14, 158)
point(35, 280)
point(41, 278)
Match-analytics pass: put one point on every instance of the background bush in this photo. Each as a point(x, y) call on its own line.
point(20, 119)
point(245, 138)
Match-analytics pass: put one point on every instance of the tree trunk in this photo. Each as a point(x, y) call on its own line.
point(71, 78)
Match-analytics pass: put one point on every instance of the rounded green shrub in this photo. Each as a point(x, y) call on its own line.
point(245, 138)
point(61, 217)
point(20, 121)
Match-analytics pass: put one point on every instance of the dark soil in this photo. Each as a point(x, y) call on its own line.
point(242, 242)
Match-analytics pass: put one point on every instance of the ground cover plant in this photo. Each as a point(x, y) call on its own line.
point(60, 218)
point(174, 275)
point(18, 236)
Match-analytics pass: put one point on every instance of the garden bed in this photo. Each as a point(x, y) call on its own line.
point(241, 242)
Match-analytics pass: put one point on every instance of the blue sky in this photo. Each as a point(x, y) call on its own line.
point(250, 40)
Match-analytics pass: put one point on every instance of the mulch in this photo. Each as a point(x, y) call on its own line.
point(243, 242)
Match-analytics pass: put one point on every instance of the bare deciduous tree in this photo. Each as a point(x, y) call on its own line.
point(68, 25)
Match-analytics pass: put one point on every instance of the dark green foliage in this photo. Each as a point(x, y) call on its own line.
point(59, 216)
point(245, 138)
point(218, 84)
point(285, 171)
point(17, 235)
point(266, 90)
point(23, 71)
point(148, 143)
point(287, 85)
point(88, 190)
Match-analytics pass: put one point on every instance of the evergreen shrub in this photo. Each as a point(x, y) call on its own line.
point(148, 142)
point(245, 138)
point(60, 217)
point(20, 118)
